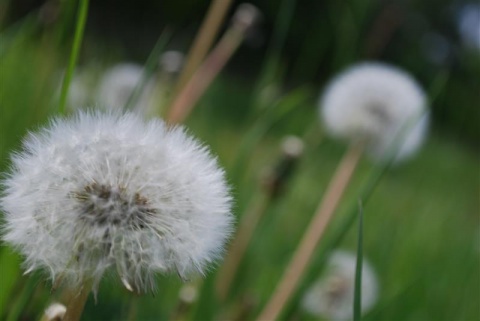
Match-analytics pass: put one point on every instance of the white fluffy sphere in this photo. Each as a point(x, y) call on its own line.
point(332, 295)
point(375, 103)
point(103, 192)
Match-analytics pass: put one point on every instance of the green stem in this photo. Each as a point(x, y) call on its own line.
point(77, 41)
point(357, 302)
point(21, 301)
point(271, 65)
point(148, 69)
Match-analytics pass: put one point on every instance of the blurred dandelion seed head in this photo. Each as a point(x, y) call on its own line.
point(374, 103)
point(117, 85)
point(333, 294)
point(172, 61)
point(103, 191)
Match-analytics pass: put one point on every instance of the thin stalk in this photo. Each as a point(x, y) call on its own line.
point(357, 299)
point(3, 11)
point(133, 308)
point(239, 246)
point(77, 41)
point(272, 61)
point(348, 220)
point(305, 250)
point(77, 302)
point(148, 69)
point(384, 26)
point(207, 303)
point(202, 79)
point(338, 235)
point(203, 41)
point(181, 311)
point(273, 187)
point(269, 118)
point(27, 288)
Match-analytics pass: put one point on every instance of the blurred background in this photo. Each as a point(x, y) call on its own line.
point(428, 38)
point(422, 225)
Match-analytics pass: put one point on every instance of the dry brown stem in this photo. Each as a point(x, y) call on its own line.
point(314, 233)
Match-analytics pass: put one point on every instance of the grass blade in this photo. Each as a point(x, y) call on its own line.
point(77, 41)
point(148, 69)
point(357, 299)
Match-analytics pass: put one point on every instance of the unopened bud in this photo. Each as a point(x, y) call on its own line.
point(292, 146)
point(55, 312)
point(172, 61)
point(188, 293)
point(246, 16)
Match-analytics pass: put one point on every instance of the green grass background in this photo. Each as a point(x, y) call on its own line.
point(421, 226)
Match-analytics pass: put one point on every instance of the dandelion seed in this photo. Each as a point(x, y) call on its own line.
point(332, 295)
point(106, 192)
point(373, 103)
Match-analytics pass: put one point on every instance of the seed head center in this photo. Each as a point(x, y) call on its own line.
point(102, 205)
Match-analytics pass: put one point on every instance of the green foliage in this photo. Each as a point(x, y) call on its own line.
point(422, 223)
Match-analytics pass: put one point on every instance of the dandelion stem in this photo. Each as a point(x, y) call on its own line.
point(77, 302)
point(77, 41)
point(273, 188)
point(148, 69)
point(203, 41)
point(204, 76)
point(133, 308)
point(244, 18)
point(305, 250)
point(348, 219)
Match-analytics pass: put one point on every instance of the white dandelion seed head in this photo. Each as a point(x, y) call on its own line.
point(103, 192)
point(117, 85)
point(376, 103)
point(332, 295)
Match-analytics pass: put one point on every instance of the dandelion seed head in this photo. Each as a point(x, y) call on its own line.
point(102, 192)
point(117, 85)
point(332, 295)
point(375, 103)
